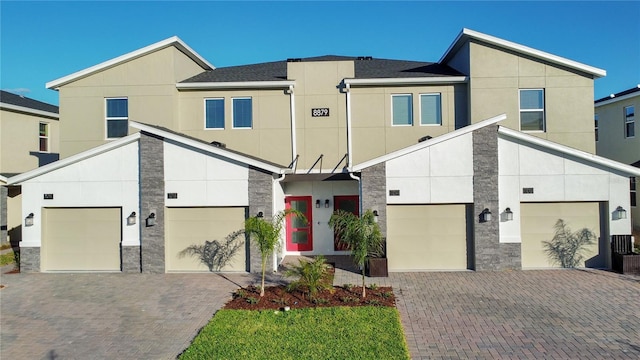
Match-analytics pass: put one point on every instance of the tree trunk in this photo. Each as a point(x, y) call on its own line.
point(364, 288)
point(264, 265)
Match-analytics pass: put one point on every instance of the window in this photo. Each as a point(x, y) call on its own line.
point(430, 109)
point(402, 110)
point(595, 121)
point(242, 113)
point(629, 121)
point(214, 113)
point(532, 110)
point(633, 184)
point(117, 117)
point(44, 137)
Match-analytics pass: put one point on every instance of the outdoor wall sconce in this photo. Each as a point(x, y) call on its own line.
point(28, 221)
point(485, 215)
point(317, 203)
point(131, 219)
point(151, 220)
point(260, 214)
point(375, 215)
point(620, 213)
point(508, 214)
point(326, 203)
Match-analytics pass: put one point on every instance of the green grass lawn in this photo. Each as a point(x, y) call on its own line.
point(313, 333)
point(6, 259)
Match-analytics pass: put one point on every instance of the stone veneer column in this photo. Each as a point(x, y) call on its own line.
point(29, 259)
point(3, 214)
point(131, 259)
point(486, 235)
point(260, 199)
point(151, 201)
point(374, 193)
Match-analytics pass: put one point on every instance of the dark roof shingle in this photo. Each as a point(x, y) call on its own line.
point(18, 100)
point(622, 93)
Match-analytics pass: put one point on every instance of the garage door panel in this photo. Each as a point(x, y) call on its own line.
point(426, 237)
point(538, 226)
point(81, 239)
point(194, 226)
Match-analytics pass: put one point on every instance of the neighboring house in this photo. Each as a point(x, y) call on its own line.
point(494, 127)
point(618, 136)
point(29, 138)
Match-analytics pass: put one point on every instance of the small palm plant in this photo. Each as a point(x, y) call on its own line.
point(362, 236)
point(311, 276)
point(566, 247)
point(266, 235)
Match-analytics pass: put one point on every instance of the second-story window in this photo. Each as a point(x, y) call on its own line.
point(242, 113)
point(633, 186)
point(214, 113)
point(629, 121)
point(117, 116)
point(44, 137)
point(402, 109)
point(595, 122)
point(430, 109)
point(532, 110)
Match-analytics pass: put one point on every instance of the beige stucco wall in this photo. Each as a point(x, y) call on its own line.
point(612, 143)
point(149, 82)
point(19, 136)
point(538, 220)
point(497, 75)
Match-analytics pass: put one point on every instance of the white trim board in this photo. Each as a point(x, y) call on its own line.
point(22, 109)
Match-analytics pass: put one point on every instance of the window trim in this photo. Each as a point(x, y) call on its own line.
point(420, 107)
point(233, 122)
point(544, 111)
point(410, 108)
point(46, 137)
point(627, 121)
point(596, 126)
point(633, 190)
point(223, 113)
point(106, 118)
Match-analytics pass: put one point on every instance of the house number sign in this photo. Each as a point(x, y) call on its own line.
point(317, 112)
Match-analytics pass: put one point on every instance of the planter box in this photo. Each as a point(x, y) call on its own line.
point(377, 267)
point(626, 263)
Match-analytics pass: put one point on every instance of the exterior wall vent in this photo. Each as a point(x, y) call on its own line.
point(218, 144)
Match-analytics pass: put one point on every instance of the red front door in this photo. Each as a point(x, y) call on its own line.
point(299, 232)
point(348, 203)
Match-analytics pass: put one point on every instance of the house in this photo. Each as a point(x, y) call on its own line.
point(28, 139)
point(163, 150)
point(617, 136)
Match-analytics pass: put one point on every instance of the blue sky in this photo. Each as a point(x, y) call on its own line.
point(43, 41)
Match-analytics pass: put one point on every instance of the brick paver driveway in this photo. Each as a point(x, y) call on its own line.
point(106, 316)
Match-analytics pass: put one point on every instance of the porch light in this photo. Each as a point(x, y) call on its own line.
point(485, 216)
point(375, 215)
point(151, 220)
point(317, 203)
point(508, 214)
point(28, 221)
point(620, 213)
point(131, 219)
point(326, 203)
point(260, 214)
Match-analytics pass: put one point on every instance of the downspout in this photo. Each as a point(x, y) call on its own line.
point(294, 143)
point(349, 145)
point(273, 211)
point(359, 180)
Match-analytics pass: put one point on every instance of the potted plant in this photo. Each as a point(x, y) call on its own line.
point(362, 236)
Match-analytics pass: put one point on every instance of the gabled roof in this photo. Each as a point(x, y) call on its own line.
point(571, 152)
point(172, 41)
point(622, 95)
point(467, 35)
point(428, 143)
point(18, 103)
point(208, 147)
point(365, 67)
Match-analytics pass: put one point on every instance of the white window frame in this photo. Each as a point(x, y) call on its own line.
point(223, 113)
point(629, 120)
point(544, 112)
point(106, 121)
point(633, 190)
point(233, 123)
point(420, 107)
point(46, 137)
point(410, 108)
point(596, 126)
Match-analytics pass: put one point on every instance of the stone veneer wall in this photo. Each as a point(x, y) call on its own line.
point(151, 201)
point(374, 193)
point(29, 259)
point(130, 259)
point(260, 199)
point(3, 214)
point(511, 256)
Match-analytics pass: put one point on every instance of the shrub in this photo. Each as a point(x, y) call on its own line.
point(253, 300)
point(310, 276)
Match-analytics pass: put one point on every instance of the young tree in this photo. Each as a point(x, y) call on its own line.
point(266, 235)
point(362, 236)
point(566, 247)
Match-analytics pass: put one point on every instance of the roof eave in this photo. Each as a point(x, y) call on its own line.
point(407, 81)
point(236, 85)
point(31, 111)
point(616, 99)
point(467, 34)
point(172, 41)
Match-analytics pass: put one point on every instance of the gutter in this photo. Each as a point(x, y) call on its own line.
point(294, 141)
point(407, 81)
point(236, 85)
point(349, 135)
